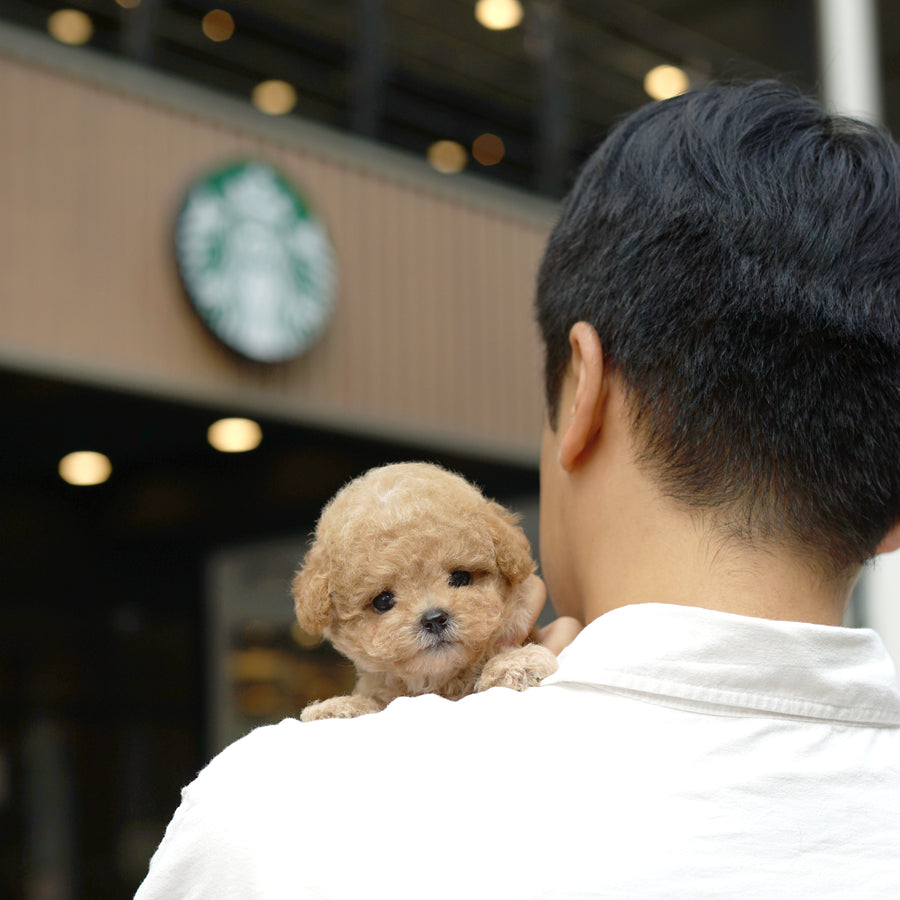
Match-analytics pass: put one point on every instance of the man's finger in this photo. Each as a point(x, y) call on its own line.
point(560, 633)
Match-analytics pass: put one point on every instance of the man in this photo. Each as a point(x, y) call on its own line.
point(720, 306)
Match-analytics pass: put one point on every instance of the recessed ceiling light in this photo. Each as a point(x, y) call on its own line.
point(498, 15)
point(448, 157)
point(663, 82)
point(234, 435)
point(85, 467)
point(70, 26)
point(274, 97)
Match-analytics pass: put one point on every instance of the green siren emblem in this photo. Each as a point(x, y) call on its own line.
point(256, 263)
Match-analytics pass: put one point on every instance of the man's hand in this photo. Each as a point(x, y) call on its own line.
point(560, 632)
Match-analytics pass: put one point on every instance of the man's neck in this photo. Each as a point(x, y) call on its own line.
point(614, 538)
point(658, 553)
point(752, 583)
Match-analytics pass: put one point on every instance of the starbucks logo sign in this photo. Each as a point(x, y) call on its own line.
point(256, 263)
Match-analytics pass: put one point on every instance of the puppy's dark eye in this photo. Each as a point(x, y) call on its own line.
point(460, 578)
point(383, 602)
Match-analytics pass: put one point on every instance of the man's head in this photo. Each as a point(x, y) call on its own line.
point(736, 251)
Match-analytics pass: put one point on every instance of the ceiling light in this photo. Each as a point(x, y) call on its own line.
point(275, 98)
point(234, 435)
point(218, 25)
point(498, 15)
point(663, 82)
point(488, 149)
point(85, 467)
point(70, 26)
point(448, 157)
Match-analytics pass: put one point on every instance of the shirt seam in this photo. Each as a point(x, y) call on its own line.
point(763, 703)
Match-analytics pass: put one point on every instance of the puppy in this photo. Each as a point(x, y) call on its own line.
point(417, 579)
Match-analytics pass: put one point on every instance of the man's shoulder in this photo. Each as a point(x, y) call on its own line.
point(409, 728)
point(273, 810)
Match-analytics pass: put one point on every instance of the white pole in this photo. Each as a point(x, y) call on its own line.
point(880, 593)
point(849, 58)
point(851, 84)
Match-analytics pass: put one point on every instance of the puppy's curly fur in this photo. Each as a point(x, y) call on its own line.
point(417, 578)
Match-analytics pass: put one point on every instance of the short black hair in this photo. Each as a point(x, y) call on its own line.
point(737, 250)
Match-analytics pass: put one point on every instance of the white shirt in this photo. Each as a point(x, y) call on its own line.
point(677, 752)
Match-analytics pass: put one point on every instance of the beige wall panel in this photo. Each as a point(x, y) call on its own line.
point(432, 331)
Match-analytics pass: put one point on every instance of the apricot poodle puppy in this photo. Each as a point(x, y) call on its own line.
point(418, 579)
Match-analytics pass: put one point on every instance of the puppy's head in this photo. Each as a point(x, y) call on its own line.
point(413, 572)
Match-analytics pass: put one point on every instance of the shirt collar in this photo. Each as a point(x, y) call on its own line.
point(728, 663)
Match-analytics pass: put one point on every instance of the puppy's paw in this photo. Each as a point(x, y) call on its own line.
point(339, 708)
point(519, 668)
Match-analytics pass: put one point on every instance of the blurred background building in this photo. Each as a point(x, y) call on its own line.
point(415, 151)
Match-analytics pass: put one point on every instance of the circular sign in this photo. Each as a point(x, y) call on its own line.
point(256, 263)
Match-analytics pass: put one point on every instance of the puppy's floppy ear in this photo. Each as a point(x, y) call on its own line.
point(511, 547)
point(312, 605)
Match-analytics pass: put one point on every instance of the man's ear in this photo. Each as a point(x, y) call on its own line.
point(891, 541)
point(581, 423)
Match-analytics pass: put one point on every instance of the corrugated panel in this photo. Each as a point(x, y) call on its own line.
point(432, 333)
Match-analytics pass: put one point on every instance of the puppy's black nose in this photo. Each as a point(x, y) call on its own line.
point(434, 620)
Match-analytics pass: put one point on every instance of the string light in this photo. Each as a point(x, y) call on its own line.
point(448, 157)
point(488, 149)
point(498, 15)
point(218, 25)
point(273, 97)
point(70, 26)
point(663, 82)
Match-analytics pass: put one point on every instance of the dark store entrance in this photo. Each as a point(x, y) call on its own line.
point(104, 638)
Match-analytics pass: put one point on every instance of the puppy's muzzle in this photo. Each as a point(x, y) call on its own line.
point(436, 628)
point(435, 621)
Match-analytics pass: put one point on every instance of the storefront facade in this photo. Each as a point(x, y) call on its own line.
point(139, 630)
point(146, 620)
